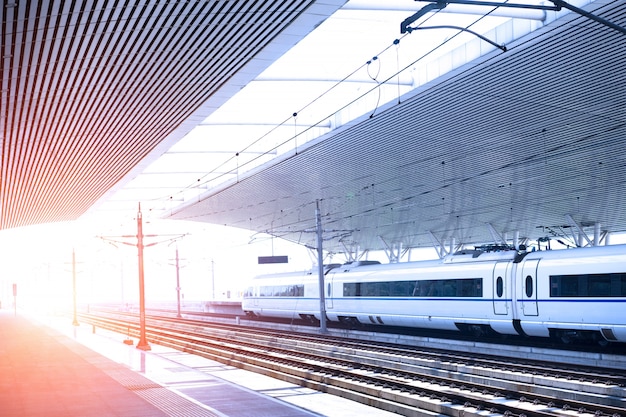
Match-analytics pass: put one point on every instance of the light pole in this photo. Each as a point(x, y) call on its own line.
point(143, 343)
point(75, 321)
point(320, 267)
point(177, 285)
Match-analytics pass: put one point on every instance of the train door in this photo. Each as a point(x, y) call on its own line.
point(329, 291)
point(528, 287)
point(500, 287)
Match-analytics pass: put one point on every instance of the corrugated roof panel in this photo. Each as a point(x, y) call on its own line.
point(518, 141)
point(89, 90)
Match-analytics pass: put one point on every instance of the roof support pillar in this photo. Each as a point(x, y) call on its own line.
point(497, 237)
point(440, 247)
point(581, 239)
point(393, 252)
point(596, 234)
point(320, 267)
point(441, 250)
point(352, 252)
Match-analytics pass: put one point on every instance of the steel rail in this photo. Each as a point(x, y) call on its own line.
point(281, 360)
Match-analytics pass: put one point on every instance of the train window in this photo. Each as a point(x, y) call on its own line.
point(529, 286)
point(588, 285)
point(281, 291)
point(402, 288)
point(463, 287)
point(499, 287)
point(352, 289)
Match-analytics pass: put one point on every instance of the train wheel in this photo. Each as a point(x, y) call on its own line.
point(601, 341)
point(350, 322)
point(310, 318)
point(475, 330)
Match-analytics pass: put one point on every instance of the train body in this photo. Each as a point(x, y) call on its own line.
point(567, 294)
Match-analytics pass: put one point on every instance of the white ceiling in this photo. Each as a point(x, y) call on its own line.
point(325, 71)
point(527, 142)
point(197, 111)
point(92, 92)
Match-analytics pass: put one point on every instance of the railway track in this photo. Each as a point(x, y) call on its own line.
point(410, 382)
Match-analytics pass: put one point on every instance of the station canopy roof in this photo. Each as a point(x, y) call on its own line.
point(472, 124)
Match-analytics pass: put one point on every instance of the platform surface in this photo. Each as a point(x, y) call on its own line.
point(44, 373)
point(52, 368)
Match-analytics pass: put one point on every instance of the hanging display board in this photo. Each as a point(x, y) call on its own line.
point(273, 260)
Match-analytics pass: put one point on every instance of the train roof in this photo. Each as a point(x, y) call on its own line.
point(476, 255)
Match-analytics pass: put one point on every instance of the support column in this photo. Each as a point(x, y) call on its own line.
point(75, 321)
point(177, 285)
point(393, 252)
point(439, 247)
point(143, 343)
point(320, 268)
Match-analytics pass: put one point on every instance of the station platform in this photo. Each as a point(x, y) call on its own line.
point(51, 368)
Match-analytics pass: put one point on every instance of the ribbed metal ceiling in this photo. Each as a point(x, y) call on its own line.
point(520, 141)
point(89, 89)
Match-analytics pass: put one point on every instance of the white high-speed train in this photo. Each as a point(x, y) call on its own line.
point(566, 294)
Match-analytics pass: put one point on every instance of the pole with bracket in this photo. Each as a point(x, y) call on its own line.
point(143, 343)
point(320, 268)
point(75, 321)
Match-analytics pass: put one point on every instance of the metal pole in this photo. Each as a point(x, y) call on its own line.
point(143, 343)
point(212, 280)
point(320, 268)
point(122, 282)
point(177, 285)
point(75, 322)
point(15, 299)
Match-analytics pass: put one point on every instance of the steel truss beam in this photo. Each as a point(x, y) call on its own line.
point(558, 5)
point(580, 237)
point(440, 247)
point(395, 251)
